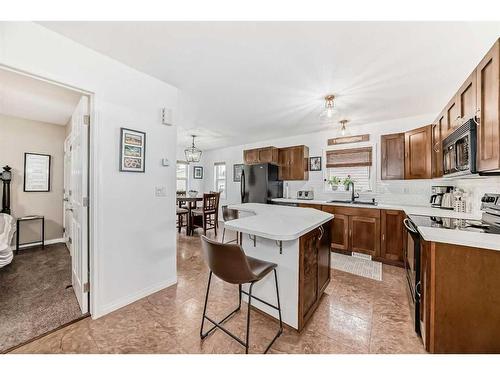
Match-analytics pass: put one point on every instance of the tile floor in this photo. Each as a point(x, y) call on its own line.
point(356, 315)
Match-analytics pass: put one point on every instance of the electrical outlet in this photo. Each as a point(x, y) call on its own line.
point(160, 191)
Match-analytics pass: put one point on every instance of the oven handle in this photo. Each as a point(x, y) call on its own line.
point(410, 226)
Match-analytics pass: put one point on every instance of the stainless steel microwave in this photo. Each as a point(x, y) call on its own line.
point(459, 150)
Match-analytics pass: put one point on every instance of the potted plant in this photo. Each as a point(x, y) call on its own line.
point(346, 181)
point(334, 182)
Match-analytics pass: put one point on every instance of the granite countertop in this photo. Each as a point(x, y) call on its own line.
point(275, 222)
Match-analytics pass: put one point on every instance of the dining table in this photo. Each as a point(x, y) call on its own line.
point(191, 203)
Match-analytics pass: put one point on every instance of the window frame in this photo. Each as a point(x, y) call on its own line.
point(186, 166)
point(216, 179)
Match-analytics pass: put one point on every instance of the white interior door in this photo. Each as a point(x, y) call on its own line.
point(78, 202)
point(67, 189)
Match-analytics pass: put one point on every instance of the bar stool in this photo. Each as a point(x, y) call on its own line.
point(229, 263)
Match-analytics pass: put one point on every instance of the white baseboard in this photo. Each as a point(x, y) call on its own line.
point(99, 312)
point(47, 242)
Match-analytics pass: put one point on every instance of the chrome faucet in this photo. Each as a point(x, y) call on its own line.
point(353, 194)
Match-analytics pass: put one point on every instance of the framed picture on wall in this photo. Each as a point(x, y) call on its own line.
point(36, 172)
point(315, 163)
point(237, 169)
point(132, 150)
point(198, 173)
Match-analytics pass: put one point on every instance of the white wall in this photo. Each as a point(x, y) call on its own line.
point(415, 192)
point(134, 244)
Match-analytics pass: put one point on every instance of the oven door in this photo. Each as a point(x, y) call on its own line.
point(462, 147)
point(412, 268)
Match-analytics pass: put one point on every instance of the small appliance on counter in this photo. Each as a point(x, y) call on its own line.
point(437, 194)
point(305, 194)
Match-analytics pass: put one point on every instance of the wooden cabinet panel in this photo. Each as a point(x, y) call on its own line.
point(393, 161)
point(314, 270)
point(340, 232)
point(310, 205)
point(488, 102)
point(437, 151)
point(309, 247)
point(466, 99)
point(261, 155)
point(418, 153)
point(324, 259)
point(451, 116)
point(393, 235)
point(364, 235)
point(251, 156)
point(293, 162)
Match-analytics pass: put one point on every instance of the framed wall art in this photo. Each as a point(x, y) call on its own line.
point(237, 169)
point(132, 150)
point(315, 163)
point(36, 172)
point(198, 173)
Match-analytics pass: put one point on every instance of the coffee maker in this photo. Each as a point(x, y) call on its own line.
point(437, 195)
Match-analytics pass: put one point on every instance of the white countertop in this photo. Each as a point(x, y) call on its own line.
point(408, 209)
point(275, 222)
point(456, 237)
point(460, 237)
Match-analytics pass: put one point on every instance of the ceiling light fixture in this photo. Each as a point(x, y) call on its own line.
point(193, 154)
point(329, 104)
point(342, 126)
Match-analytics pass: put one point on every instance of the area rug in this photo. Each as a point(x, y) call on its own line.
point(34, 294)
point(357, 266)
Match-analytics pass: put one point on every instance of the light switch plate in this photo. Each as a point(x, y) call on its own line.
point(160, 191)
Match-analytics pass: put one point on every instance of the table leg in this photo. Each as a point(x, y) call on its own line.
point(17, 238)
point(43, 233)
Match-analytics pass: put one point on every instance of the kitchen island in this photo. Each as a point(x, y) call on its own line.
point(298, 241)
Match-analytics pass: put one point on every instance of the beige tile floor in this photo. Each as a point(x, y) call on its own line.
point(356, 315)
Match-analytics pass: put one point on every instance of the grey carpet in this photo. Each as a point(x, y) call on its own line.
point(33, 295)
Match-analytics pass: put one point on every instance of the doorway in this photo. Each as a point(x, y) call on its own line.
point(46, 284)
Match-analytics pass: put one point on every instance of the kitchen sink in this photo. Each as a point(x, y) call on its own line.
point(340, 201)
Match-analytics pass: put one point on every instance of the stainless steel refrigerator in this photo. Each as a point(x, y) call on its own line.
point(260, 183)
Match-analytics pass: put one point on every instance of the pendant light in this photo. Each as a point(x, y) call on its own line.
point(193, 154)
point(329, 104)
point(343, 127)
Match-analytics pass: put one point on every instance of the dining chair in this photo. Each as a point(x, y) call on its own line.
point(206, 216)
point(181, 213)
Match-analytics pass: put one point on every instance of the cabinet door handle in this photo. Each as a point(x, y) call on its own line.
point(383, 237)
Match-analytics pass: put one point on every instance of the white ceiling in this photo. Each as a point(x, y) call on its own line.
point(34, 99)
point(248, 81)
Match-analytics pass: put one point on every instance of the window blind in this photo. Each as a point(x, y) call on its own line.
point(352, 157)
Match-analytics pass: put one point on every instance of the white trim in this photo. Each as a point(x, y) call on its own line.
point(47, 242)
point(106, 309)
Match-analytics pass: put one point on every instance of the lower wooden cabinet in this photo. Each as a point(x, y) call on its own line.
point(314, 270)
point(364, 235)
point(392, 236)
point(372, 231)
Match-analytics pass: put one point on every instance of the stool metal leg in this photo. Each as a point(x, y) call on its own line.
point(245, 343)
point(248, 317)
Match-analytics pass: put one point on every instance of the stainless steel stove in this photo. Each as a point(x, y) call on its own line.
point(489, 223)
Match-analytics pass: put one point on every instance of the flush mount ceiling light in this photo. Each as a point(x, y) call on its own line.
point(342, 126)
point(329, 104)
point(193, 154)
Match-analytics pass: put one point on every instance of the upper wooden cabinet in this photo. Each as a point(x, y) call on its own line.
point(261, 155)
point(437, 150)
point(466, 99)
point(488, 112)
point(393, 161)
point(418, 153)
point(293, 162)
